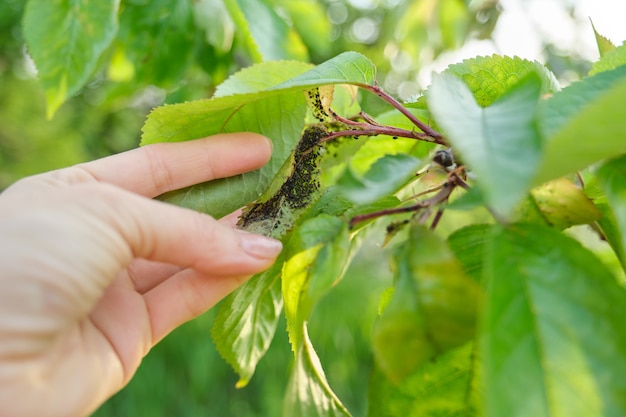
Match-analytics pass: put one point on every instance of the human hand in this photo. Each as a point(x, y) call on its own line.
point(93, 272)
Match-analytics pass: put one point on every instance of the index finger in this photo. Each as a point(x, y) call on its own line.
point(155, 169)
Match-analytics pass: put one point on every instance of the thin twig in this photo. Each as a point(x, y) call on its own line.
point(454, 180)
point(437, 218)
point(373, 129)
point(375, 89)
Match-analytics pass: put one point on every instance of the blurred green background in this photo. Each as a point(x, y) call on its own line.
point(184, 375)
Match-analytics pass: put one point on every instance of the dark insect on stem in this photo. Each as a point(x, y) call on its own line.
point(445, 158)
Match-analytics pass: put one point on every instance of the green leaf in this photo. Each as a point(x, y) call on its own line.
point(66, 40)
point(584, 124)
point(311, 23)
point(260, 76)
point(489, 77)
point(604, 44)
point(565, 105)
point(453, 19)
point(500, 143)
point(345, 68)
point(186, 121)
point(246, 321)
point(468, 245)
point(294, 190)
point(612, 59)
point(442, 387)
point(212, 17)
point(308, 393)
point(560, 204)
point(316, 256)
point(553, 339)
point(277, 112)
point(159, 38)
point(384, 178)
point(266, 35)
point(222, 196)
point(612, 177)
point(433, 308)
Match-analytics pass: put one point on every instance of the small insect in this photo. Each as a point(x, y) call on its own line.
point(445, 158)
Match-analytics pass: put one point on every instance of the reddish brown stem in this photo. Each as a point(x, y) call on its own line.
point(372, 128)
point(454, 180)
point(375, 89)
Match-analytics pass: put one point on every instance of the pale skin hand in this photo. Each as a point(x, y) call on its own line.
point(93, 272)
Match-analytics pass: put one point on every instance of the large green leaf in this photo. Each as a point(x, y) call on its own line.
point(222, 196)
point(66, 40)
point(499, 143)
point(612, 176)
point(246, 321)
point(442, 387)
point(276, 111)
point(553, 339)
point(433, 308)
point(583, 124)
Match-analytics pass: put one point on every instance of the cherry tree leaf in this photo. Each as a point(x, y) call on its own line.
point(443, 386)
point(612, 177)
point(610, 59)
point(468, 245)
point(604, 44)
point(308, 393)
point(266, 35)
point(558, 203)
point(499, 143)
point(276, 111)
point(433, 308)
point(66, 40)
point(583, 124)
point(552, 328)
point(385, 177)
point(246, 322)
point(316, 257)
point(490, 77)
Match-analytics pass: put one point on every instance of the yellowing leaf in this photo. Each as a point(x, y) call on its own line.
point(559, 203)
point(433, 308)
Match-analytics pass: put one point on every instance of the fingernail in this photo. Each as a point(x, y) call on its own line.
point(259, 246)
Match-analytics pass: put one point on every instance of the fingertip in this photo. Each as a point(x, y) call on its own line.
point(260, 247)
point(263, 143)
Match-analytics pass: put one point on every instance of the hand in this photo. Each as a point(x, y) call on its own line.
point(93, 272)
